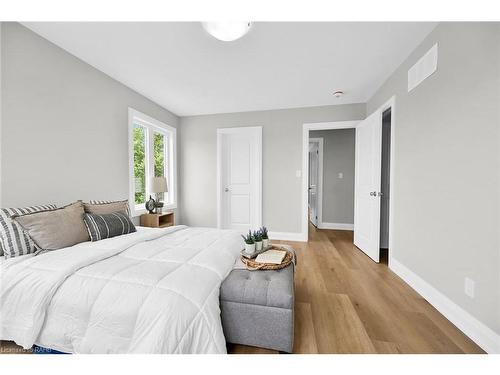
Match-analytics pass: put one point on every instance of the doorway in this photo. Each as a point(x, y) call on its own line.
point(239, 178)
point(373, 214)
point(385, 186)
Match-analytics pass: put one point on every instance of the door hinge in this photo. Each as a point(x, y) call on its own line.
point(317, 152)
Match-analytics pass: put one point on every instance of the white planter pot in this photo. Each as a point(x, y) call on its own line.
point(249, 248)
point(265, 243)
point(258, 245)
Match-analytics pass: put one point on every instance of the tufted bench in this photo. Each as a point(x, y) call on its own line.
point(257, 308)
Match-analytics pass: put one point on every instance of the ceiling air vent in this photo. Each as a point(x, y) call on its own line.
point(423, 68)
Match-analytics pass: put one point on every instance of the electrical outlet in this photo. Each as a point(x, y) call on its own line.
point(341, 175)
point(469, 287)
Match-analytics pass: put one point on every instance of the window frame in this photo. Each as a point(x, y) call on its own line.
point(152, 126)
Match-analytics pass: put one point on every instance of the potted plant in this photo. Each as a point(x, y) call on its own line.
point(249, 243)
point(265, 237)
point(257, 237)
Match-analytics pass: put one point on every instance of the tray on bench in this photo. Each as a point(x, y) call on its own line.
point(253, 265)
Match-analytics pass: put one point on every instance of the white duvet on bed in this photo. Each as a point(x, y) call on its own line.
point(153, 291)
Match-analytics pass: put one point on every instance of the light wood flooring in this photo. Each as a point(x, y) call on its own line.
point(346, 303)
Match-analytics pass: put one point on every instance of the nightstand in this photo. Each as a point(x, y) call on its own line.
point(163, 220)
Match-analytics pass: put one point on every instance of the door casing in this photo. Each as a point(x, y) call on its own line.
point(306, 128)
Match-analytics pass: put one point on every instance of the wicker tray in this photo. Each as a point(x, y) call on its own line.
point(253, 265)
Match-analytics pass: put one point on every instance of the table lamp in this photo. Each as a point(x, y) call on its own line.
point(159, 186)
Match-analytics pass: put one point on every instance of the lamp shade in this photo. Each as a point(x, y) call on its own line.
point(159, 185)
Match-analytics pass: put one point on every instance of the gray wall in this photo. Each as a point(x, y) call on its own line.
point(447, 163)
point(65, 124)
point(338, 156)
point(282, 157)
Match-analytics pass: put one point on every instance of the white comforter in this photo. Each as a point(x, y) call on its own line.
point(154, 291)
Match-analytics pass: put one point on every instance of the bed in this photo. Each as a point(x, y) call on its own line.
point(152, 291)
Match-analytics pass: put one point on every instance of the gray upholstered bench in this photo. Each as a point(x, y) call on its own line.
point(257, 308)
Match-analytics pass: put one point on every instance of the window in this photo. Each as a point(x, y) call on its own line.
point(151, 154)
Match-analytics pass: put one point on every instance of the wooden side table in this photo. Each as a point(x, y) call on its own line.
point(157, 220)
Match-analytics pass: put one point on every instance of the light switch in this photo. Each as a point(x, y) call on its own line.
point(469, 287)
point(298, 173)
point(341, 175)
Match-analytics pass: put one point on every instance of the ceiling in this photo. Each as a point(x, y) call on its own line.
point(276, 65)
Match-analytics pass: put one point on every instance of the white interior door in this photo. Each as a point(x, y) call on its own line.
point(240, 186)
point(313, 182)
point(367, 185)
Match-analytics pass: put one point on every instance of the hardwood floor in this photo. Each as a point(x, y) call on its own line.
point(346, 303)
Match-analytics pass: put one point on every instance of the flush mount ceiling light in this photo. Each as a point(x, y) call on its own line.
point(338, 93)
point(227, 31)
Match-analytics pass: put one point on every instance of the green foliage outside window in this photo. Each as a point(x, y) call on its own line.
point(159, 151)
point(159, 155)
point(140, 161)
point(140, 164)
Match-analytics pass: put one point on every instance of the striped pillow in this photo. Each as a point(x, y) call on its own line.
point(105, 226)
point(13, 240)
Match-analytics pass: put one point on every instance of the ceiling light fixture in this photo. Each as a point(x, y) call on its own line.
point(338, 93)
point(227, 31)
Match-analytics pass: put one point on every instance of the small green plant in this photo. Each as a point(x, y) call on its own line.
point(257, 236)
point(249, 240)
point(263, 232)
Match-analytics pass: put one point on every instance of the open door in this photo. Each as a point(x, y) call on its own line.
point(313, 182)
point(367, 185)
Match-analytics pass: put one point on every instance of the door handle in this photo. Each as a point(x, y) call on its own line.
point(373, 193)
point(226, 189)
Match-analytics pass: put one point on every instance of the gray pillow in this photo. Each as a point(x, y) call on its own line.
point(56, 229)
point(106, 207)
point(105, 226)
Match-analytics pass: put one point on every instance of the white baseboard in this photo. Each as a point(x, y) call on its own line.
point(338, 226)
point(288, 236)
point(482, 335)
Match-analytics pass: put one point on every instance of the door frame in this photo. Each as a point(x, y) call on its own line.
point(253, 131)
point(319, 190)
point(391, 103)
point(305, 165)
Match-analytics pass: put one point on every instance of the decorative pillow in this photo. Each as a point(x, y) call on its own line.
point(105, 226)
point(56, 229)
point(106, 207)
point(13, 240)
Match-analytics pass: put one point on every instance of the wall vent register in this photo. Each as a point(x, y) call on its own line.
point(423, 68)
